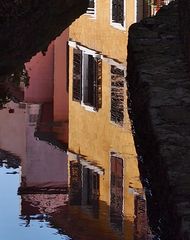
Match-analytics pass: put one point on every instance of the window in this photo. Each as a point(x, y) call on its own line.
point(87, 78)
point(91, 7)
point(22, 105)
point(116, 194)
point(75, 192)
point(90, 185)
point(117, 95)
point(118, 13)
point(33, 118)
point(84, 185)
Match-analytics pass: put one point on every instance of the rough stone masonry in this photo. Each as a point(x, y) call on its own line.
point(159, 96)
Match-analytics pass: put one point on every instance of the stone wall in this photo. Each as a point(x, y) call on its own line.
point(184, 13)
point(159, 93)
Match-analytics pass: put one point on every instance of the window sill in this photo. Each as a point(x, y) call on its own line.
point(118, 26)
point(88, 108)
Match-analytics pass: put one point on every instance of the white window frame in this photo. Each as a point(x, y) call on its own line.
point(84, 81)
point(94, 54)
point(118, 25)
point(92, 12)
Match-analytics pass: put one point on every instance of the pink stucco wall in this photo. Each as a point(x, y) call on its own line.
point(45, 165)
point(40, 69)
point(12, 130)
point(60, 86)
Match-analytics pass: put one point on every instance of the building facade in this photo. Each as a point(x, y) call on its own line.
point(103, 167)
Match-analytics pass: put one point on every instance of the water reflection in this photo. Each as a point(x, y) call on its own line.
point(78, 167)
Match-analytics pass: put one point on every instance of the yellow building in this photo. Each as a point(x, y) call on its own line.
point(103, 159)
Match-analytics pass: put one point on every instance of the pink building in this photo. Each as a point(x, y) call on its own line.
point(41, 73)
point(61, 97)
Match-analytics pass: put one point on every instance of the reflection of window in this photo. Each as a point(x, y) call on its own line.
point(117, 95)
point(84, 186)
point(91, 7)
point(117, 12)
point(33, 118)
point(87, 71)
point(141, 226)
point(116, 201)
point(90, 187)
point(75, 183)
point(22, 105)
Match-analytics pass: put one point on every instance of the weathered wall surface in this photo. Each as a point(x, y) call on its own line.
point(159, 91)
point(27, 27)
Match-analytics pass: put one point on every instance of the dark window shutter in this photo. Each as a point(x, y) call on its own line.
point(93, 96)
point(117, 95)
point(118, 11)
point(97, 92)
point(77, 75)
point(88, 99)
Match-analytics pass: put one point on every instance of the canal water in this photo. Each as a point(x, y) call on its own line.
point(49, 212)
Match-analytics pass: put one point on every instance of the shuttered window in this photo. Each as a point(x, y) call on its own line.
point(117, 95)
point(92, 81)
point(77, 75)
point(87, 79)
point(118, 12)
point(91, 7)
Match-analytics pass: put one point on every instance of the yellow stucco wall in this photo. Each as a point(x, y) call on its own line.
point(92, 133)
point(97, 33)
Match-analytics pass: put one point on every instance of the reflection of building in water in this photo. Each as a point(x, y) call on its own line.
point(61, 98)
point(40, 122)
point(46, 162)
point(48, 87)
point(40, 70)
point(45, 102)
point(45, 166)
point(34, 204)
point(13, 130)
point(102, 155)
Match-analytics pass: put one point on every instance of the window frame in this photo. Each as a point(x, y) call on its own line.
point(91, 13)
point(116, 24)
point(85, 53)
